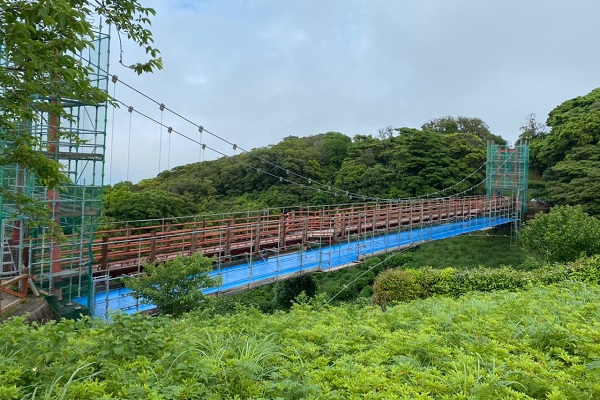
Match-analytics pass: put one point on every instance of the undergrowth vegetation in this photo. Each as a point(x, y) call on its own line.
point(489, 249)
point(538, 343)
point(399, 285)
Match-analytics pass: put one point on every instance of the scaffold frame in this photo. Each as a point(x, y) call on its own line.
point(77, 205)
point(507, 172)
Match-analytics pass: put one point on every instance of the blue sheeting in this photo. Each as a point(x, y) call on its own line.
point(323, 259)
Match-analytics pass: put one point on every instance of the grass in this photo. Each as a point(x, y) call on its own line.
point(490, 250)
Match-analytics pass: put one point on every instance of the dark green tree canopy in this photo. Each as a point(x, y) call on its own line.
point(122, 204)
point(475, 126)
point(568, 155)
point(576, 179)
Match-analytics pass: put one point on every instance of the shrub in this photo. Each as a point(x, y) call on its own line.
point(564, 234)
point(487, 280)
point(287, 290)
point(398, 260)
point(174, 286)
point(396, 285)
point(585, 269)
point(366, 292)
point(551, 273)
point(341, 292)
point(436, 281)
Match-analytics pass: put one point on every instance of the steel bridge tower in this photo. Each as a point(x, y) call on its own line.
point(62, 268)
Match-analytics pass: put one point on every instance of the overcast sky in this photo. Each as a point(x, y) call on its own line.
point(254, 72)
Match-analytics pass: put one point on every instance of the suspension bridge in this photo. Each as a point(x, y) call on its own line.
point(249, 249)
point(263, 247)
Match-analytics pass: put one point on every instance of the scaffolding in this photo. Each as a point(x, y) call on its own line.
point(507, 170)
point(77, 205)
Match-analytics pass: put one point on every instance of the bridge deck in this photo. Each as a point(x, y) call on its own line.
point(326, 258)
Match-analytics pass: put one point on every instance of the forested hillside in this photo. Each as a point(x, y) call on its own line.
point(568, 156)
point(396, 163)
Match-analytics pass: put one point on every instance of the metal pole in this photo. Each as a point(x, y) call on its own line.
point(92, 298)
point(106, 288)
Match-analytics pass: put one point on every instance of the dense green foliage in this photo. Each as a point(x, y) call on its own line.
point(398, 285)
point(288, 290)
point(535, 344)
point(39, 43)
point(461, 124)
point(569, 155)
point(563, 234)
point(404, 163)
point(174, 286)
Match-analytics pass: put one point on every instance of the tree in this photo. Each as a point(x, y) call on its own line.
point(475, 126)
point(334, 148)
point(574, 123)
point(367, 150)
point(174, 286)
point(39, 41)
point(446, 124)
point(568, 156)
point(350, 176)
point(122, 204)
point(423, 163)
point(562, 235)
point(385, 133)
point(532, 129)
point(576, 179)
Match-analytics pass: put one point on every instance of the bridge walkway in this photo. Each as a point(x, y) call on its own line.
point(274, 266)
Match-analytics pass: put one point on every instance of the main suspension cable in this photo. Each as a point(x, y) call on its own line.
point(326, 187)
point(330, 189)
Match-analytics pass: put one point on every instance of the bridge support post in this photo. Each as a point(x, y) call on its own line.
point(228, 233)
point(257, 235)
point(127, 234)
point(304, 231)
point(337, 224)
point(202, 233)
point(104, 261)
point(359, 226)
point(387, 216)
point(411, 222)
point(152, 256)
point(281, 231)
point(193, 242)
point(366, 224)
